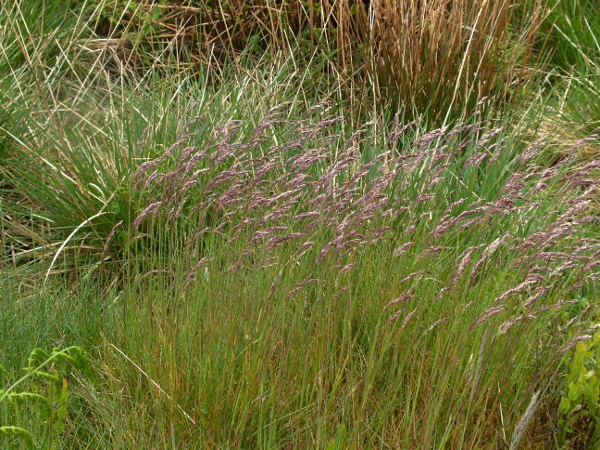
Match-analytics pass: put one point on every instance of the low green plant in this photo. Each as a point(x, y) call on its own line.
point(579, 408)
point(34, 407)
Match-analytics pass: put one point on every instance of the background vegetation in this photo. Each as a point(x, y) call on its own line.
point(284, 224)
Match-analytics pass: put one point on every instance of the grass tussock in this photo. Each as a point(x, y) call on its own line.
point(312, 284)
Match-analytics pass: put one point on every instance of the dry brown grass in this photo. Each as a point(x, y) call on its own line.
point(444, 55)
point(449, 53)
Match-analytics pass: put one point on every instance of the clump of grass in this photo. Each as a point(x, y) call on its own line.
point(444, 57)
point(410, 294)
point(73, 183)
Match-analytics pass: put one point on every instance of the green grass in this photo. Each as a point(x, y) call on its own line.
point(258, 250)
